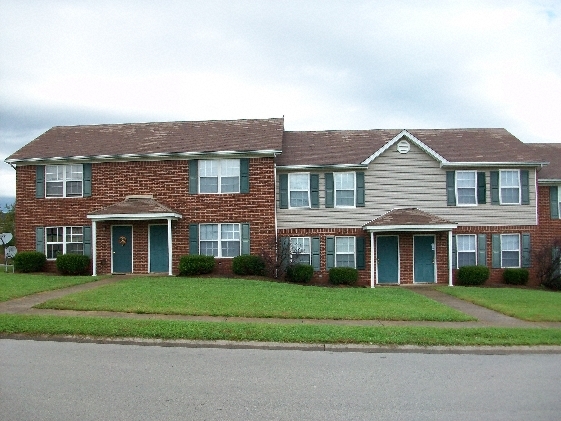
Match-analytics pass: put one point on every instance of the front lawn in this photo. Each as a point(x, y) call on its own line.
point(525, 304)
point(250, 298)
point(15, 285)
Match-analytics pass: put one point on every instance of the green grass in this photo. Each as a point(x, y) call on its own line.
point(251, 298)
point(15, 285)
point(291, 333)
point(525, 304)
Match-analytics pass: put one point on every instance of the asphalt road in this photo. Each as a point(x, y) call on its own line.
point(41, 380)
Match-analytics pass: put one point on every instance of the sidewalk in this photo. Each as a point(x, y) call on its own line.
point(484, 316)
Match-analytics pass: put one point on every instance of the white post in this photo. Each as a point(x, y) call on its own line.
point(372, 256)
point(450, 258)
point(170, 253)
point(94, 248)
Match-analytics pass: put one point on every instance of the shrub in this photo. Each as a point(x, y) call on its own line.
point(343, 276)
point(29, 261)
point(249, 264)
point(299, 273)
point(195, 265)
point(73, 264)
point(472, 275)
point(516, 276)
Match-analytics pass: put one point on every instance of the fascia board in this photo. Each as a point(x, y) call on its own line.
point(134, 217)
point(405, 228)
point(494, 164)
point(320, 167)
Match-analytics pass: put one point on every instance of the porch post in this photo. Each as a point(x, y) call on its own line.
point(372, 254)
point(170, 252)
point(450, 258)
point(94, 248)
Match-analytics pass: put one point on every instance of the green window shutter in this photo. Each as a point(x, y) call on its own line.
point(87, 171)
point(482, 249)
point(314, 190)
point(245, 239)
point(193, 239)
point(283, 193)
point(360, 191)
point(329, 252)
point(525, 183)
point(40, 239)
point(495, 187)
point(554, 202)
point(454, 253)
point(450, 188)
point(481, 188)
point(87, 240)
point(315, 253)
point(360, 253)
point(244, 175)
point(40, 181)
point(496, 239)
point(526, 248)
point(193, 176)
point(329, 190)
point(555, 254)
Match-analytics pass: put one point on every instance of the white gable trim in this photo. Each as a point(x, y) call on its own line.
point(413, 140)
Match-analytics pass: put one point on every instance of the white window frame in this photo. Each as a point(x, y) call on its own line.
point(510, 250)
point(458, 251)
point(221, 172)
point(353, 253)
point(458, 173)
point(221, 239)
point(291, 189)
point(337, 180)
point(64, 178)
point(301, 246)
point(501, 187)
point(67, 233)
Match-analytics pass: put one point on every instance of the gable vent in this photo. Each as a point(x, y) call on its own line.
point(403, 146)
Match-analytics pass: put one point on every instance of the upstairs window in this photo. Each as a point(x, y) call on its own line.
point(299, 190)
point(344, 189)
point(466, 188)
point(64, 180)
point(510, 187)
point(219, 176)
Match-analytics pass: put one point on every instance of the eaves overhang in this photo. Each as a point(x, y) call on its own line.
point(410, 228)
point(134, 217)
point(322, 167)
point(549, 182)
point(486, 164)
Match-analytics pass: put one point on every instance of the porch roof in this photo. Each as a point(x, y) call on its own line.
point(409, 219)
point(134, 208)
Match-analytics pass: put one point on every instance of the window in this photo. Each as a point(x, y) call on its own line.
point(219, 176)
point(510, 250)
point(466, 187)
point(510, 187)
point(220, 240)
point(63, 180)
point(64, 240)
point(345, 189)
point(465, 245)
point(345, 252)
point(299, 190)
point(300, 251)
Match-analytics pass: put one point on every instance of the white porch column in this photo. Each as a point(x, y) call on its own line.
point(372, 261)
point(170, 252)
point(450, 258)
point(94, 248)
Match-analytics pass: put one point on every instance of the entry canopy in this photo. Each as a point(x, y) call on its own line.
point(409, 219)
point(138, 207)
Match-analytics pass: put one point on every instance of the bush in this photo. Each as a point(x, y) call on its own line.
point(515, 276)
point(248, 264)
point(73, 264)
point(299, 273)
point(553, 283)
point(472, 275)
point(343, 276)
point(195, 265)
point(29, 261)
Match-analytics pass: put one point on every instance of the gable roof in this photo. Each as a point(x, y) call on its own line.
point(449, 146)
point(154, 140)
point(550, 152)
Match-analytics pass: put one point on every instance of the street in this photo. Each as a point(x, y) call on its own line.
point(42, 380)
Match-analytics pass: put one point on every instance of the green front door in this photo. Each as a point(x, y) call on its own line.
point(121, 244)
point(424, 258)
point(387, 253)
point(159, 248)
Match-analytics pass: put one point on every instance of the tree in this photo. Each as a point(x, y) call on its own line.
point(548, 264)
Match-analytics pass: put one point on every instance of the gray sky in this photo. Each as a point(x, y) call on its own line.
point(322, 64)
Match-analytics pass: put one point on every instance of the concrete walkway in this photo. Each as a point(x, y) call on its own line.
point(485, 317)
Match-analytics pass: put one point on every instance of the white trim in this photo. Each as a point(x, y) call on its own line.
point(132, 245)
point(398, 260)
point(492, 164)
point(170, 249)
point(133, 217)
point(519, 250)
point(346, 254)
point(405, 228)
point(308, 190)
point(64, 181)
point(94, 248)
point(475, 248)
point(358, 167)
point(335, 174)
point(219, 175)
point(309, 246)
point(434, 257)
point(510, 187)
point(450, 277)
point(373, 251)
point(219, 240)
point(475, 187)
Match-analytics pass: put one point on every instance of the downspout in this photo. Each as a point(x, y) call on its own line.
point(275, 208)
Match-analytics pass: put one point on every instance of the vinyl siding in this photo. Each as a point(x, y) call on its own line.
point(414, 179)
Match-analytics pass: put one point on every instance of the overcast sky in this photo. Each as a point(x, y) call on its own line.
point(322, 64)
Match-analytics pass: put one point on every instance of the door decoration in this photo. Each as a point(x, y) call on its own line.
point(122, 240)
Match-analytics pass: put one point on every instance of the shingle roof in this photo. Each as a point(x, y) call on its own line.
point(550, 152)
point(151, 138)
point(355, 146)
point(408, 217)
point(134, 205)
